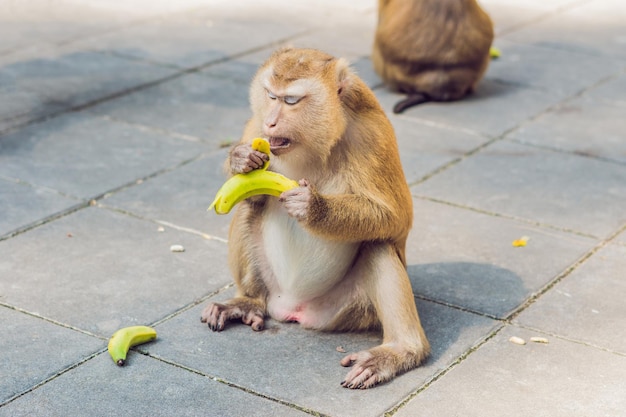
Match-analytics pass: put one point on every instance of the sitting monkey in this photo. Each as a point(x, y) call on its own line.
point(329, 254)
point(432, 50)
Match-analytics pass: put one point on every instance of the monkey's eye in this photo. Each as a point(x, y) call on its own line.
point(271, 95)
point(291, 100)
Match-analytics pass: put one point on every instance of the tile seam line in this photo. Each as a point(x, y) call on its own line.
point(555, 149)
point(503, 136)
point(462, 357)
point(460, 308)
point(235, 385)
point(567, 339)
point(543, 16)
point(164, 223)
point(136, 22)
point(565, 273)
point(53, 377)
point(50, 320)
point(146, 85)
point(531, 222)
point(193, 304)
point(93, 200)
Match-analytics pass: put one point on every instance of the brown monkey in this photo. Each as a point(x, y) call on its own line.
point(329, 254)
point(432, 50)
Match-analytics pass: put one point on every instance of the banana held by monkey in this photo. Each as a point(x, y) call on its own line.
point(256, 182)
point(123, 339)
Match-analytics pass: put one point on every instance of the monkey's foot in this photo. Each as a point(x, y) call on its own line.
point(377, 365)
point(215, 315)
point(410, 101)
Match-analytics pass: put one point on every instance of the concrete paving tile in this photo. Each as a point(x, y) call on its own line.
point(536, 184)
point(33, 350)
point(584, 126)
point(180, 197)
point(492, 110)
point(526, 65)
point(558, 379)
point(145, 387)
point(188, 40)
point(211, 109)
point(99, 270)
point(18, 105)
point(79, 77)
point(22, 204)
point(508, 15)
point(317, 13)
point(85, 155)
point(464, 258)
point(424, 146)
point(588, 305)
point(40, 21)
point(302, 367)
point(611, 92)
point(242, 68)
point(621, 238)
point(595, 27)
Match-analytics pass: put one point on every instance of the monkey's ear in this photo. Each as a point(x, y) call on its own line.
point(344, 75)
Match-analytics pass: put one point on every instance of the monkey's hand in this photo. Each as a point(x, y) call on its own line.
point(297, 201)
point(245, 159)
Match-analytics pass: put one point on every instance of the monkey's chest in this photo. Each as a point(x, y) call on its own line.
point(303, 266)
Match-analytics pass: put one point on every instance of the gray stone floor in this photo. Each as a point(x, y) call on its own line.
point(114, 116)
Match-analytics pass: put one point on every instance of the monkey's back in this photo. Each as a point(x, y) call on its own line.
point(436, 47)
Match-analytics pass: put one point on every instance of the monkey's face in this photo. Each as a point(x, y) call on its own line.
point(296, 104)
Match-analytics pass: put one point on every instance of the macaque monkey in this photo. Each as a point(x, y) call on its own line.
point(329, 254)
point(432, 50)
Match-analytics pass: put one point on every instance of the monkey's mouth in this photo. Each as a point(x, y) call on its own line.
point(278, 144)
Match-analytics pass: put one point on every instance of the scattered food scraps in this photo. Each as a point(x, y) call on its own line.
point(177, 248)
point(521, 241)
point(537, 339)
point(517, 340)
point(161, 229)
point(340, 349)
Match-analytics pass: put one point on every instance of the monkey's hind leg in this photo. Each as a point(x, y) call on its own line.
point(404, 346)
point(411, 100)
point(249, 310)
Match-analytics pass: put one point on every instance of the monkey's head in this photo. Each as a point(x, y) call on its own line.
point(296, 99)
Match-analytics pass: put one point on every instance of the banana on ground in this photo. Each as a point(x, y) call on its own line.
point(259, 181)
point(123, 339)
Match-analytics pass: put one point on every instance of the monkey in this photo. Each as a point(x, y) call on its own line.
point(330, 253)
point(431, 50)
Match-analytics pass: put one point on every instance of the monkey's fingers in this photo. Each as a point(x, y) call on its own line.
point(360, 378)
point(254, 320)
point(365, 373)
point(215, 316)
point(257, 159)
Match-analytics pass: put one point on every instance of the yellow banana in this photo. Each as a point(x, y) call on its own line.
point(259, 181)
point(123, 339)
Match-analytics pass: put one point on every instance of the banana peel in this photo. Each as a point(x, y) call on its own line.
point(259, 181)
point(123, 339)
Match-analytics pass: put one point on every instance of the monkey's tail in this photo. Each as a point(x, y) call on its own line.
point(410, 101)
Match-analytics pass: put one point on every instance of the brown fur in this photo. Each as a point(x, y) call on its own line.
point(433, 50)
point(355, 198)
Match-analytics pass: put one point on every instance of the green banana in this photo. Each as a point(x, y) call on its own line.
point(123, 339)
point(259, 181)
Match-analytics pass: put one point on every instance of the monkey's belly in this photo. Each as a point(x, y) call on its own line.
point(305, 271)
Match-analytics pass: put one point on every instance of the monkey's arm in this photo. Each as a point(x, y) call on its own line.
point(347, 217)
